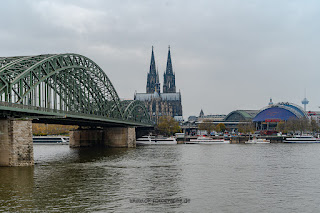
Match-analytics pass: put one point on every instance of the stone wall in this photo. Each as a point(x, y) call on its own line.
point(5, 145)
point(16, 144)
point(131, 137)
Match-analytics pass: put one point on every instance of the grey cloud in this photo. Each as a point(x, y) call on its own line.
point(227, 55)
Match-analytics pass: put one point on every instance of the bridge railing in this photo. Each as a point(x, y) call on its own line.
point(64, 113)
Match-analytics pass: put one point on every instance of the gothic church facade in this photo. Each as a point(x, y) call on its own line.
point(169, 101)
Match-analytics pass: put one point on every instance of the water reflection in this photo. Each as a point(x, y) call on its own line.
point(157, 176)
point(94, 179)
point(220, 178)
point(16, 187)
point(77, 181)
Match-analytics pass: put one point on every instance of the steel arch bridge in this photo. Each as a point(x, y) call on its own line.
point(68, 86)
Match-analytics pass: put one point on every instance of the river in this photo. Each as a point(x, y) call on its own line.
point(181, 178)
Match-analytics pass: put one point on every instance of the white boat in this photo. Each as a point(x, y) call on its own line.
point(302, 139)
point(206, 140)
point(152, 140)
point(51, 139)
point(255, 140)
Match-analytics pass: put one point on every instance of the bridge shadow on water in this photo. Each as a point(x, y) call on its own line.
point(47, 154)
point(96, 154)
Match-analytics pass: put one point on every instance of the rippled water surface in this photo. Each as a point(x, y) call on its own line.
point(181, 178)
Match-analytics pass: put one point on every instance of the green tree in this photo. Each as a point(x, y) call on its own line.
point(167, 125)
point(206, 125)
point(51, 129)
point(220, 127)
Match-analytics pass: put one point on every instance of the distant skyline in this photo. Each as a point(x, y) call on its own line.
point(226, 55)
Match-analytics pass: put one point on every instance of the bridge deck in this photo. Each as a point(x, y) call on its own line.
point(46, 115)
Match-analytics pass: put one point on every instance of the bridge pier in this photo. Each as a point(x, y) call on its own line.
point(86, 138)
point(16, 144)
point(120, 137)
point(116, 137)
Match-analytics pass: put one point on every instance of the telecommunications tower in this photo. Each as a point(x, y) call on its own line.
point(305, 101)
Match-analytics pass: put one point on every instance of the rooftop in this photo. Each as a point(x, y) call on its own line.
point(163, 96)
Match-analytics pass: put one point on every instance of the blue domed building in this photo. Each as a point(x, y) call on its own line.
point(270, 116)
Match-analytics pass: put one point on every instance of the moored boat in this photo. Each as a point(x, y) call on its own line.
point(51, 139)
point(206, 140)
point(302, 139)
point(152, 140)
point(259, 140)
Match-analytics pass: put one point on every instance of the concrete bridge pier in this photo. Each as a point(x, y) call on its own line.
point(85, 138)
point(16, 144)
point(116, 137)
point(122, 137)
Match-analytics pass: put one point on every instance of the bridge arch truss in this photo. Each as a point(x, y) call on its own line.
point(66, 83)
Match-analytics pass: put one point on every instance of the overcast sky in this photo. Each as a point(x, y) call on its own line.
point(227, 54)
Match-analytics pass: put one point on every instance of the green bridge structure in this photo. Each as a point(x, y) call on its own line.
point(68, 89)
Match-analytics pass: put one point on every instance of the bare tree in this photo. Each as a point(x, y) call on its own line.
point(281, 126)
point(246, 127)
point(298, 125)
point(206, 125)
point(314, 126)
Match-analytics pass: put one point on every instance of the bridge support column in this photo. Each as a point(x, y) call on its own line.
point(86, 138)
point(116, 137)
point(120, 137)
point(16, 144)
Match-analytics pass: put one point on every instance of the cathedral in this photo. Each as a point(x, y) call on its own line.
point(169, 101)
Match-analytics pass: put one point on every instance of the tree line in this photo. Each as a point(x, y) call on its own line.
point(51, 129)
point(290, 126)
point(208, 126)
point(298, 126)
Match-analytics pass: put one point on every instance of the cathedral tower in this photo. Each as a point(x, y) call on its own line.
point(167, 103)
point(169, 79)
point(153, 77)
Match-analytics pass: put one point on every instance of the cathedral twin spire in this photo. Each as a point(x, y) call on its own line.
point(169, 79)
point(153, 84)
point(169, 64)
point(153, 77)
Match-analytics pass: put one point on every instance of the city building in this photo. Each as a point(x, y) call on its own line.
point(210, 117)
point(314, 115)
point(169, 101)
point(234, 118)
point(190, 127)
point(266, 118)
point(269, 117)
